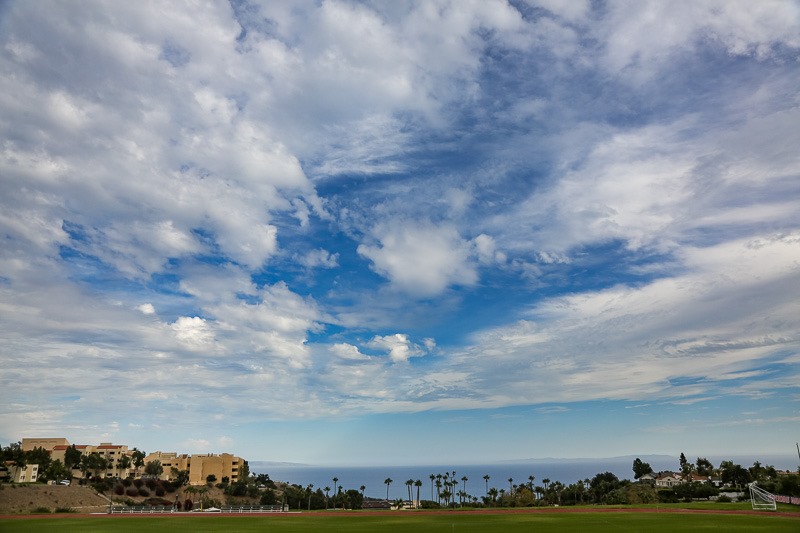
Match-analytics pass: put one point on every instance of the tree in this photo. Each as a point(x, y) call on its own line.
point(72, 457)
point(409, 484)
point(13, 452)
point(57, 471)
point(640, 468)
point(704, 466)
point(432, 478)
point(211, 478)
point(682, 461)
point(388, 482)
point(486, 478)
point(244, 471)
point(418, 484)
point(154, 468)
point(180, 477)
point(38, 456)
point(327, 490)
point(94, 463)
point(124, 463)
point(138, 459)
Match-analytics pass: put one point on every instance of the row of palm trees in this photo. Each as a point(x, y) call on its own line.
point(445, 486)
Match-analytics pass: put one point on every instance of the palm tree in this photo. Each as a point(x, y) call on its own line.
point(493, 494)
point(530, 482)
point(439, 490)
point(432, 478)
point(310, 486)
point(446, 495)
point(546, 482)
point(327, 490)
point(335, 490)
point(418, 484)
point(511, 483)
point(486, 478)
point(362, 488)
point(409, 484)
point(388, 482)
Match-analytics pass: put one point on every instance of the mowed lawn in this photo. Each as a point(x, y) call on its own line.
point(666, 522)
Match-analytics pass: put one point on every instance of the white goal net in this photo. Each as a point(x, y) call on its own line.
point(761, 499)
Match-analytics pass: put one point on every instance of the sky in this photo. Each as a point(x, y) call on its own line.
point(410, 232)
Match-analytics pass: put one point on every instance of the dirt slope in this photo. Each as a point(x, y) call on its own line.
point(26, 498)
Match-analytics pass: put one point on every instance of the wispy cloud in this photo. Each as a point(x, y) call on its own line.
point(348, 208)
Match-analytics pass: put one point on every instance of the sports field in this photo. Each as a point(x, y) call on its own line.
point(541, 522)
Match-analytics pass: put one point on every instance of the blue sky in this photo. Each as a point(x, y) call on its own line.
point(340, 232)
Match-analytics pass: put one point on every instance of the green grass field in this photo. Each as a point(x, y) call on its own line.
point(666, 522)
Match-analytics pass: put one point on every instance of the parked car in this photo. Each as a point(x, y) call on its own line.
point(64, 482)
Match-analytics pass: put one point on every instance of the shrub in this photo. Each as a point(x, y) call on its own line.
point(268, 498)
point(127, 482)
point(160, 491)
point(428, 504)
point(151, 484)
point(138, 483)
point(65, 510)
point(144, 492)
point(41, 510)
point(724, 499)
point(133, 491)
point(188, 504)
point(119, 490)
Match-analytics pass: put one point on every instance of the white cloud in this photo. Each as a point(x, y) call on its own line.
point(630, 343)
point(641, 36)
point(422, 260)
point(147, 309)
point(194, 332)
point(398, 346)
point(348, 351)
point(320, 258)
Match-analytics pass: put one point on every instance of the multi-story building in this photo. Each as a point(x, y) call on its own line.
point(112, 453)
point(200, 467)
point(21, 474)
point(28, 445)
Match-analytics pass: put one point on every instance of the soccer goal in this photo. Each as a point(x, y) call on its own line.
point(761, 499)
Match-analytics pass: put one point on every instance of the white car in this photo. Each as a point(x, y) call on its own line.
point(64, 482)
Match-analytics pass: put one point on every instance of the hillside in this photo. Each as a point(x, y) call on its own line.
point(26, 498)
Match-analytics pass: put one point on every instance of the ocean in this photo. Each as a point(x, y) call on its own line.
point(372, 477)
point(566, 471)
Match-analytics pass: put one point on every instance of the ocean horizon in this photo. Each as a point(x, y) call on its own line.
point(566, 471)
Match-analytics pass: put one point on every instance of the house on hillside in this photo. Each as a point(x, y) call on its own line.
point(668, 479)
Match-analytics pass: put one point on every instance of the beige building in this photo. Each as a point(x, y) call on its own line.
point(112, 453)
point(199, 466)
point(28, 445)
point(24, 474)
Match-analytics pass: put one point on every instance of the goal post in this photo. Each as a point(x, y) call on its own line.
point(761, 499)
